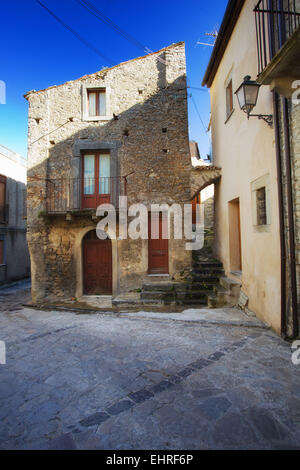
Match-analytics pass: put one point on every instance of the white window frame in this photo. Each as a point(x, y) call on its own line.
point(85, 111)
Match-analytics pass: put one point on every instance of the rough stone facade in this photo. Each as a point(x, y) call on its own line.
point(146, 132)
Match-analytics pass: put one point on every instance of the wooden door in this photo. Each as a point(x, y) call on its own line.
point(196, 200)
point(97, 265)
point(96, 181)
point(158, 249)
point(235, 245)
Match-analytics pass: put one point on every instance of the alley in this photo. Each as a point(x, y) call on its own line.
point(198, 380)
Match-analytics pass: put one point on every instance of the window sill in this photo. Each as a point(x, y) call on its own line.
point(238, 274)
point(96, 118)
point(262, 228)
point(229, 116)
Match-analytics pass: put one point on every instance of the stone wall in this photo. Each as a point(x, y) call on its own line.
point(146, 128)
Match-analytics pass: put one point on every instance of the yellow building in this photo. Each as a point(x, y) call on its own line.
point(255, 220)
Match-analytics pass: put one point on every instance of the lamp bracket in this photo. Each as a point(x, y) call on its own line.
point(268, 118)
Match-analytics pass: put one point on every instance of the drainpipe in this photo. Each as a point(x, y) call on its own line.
point(281, 215)
point(287, 154)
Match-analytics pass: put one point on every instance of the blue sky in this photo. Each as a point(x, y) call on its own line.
point(38, 52)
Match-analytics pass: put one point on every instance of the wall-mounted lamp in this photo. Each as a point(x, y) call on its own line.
point(247, 94)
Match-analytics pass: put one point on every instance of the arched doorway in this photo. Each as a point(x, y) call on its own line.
point(97, 265)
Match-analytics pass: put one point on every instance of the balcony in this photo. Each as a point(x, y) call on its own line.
point(81, 195)
point(278, 43)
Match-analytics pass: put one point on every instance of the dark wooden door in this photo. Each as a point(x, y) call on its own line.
point(158, 252)
point(97, 266)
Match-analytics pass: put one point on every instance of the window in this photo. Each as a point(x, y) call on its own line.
point(96, 181)
point(261, 204)
point(2, 198)
point(229, 99)
point(96, 103)
point(261, 207)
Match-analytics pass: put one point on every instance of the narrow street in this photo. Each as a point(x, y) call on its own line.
point(203, 379)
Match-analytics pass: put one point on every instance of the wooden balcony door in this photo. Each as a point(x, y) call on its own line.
point(96, 181)
point(158, 249)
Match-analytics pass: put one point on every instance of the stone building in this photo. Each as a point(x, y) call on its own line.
point(256, 199)
point(14, 256)
point(121, 131)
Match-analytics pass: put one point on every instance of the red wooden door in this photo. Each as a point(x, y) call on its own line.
point(158, 252)
point(97, 266)
point(195, 201)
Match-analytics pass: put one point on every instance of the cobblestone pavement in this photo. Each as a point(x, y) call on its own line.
point(103, 381)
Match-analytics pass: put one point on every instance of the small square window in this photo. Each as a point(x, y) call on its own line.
point(261, 206)
point(96, 103)
point(229, 99)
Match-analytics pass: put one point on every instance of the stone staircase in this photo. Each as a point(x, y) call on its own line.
point(194, 291)
point(205, 286)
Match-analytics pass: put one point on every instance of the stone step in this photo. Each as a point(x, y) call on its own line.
point(196, 286)
point(230, 285)
point(209, 269)
point(146, 295)
point(225, 294)
point(220, 299)
point(158, 287)
point(175, 296)
point(206, 267)
point(197, 277)
point(197, 294)
point(194, 302)
point(216, 272)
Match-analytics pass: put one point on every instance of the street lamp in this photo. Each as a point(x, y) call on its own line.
point(247, 94)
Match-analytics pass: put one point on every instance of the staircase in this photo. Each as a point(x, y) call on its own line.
point(194, 291)
point(205, 286)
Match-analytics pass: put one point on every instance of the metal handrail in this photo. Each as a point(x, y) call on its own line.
point(76, 194)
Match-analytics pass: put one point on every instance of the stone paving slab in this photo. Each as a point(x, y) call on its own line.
point(98, 381)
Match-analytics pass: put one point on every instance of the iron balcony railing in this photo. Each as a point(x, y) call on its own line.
point(276, 21)
point(76, 194)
